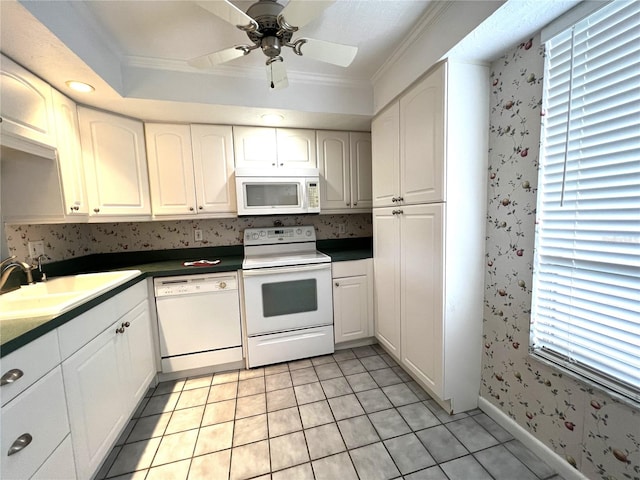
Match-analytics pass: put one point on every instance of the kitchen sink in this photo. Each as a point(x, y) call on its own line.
point(59, 294)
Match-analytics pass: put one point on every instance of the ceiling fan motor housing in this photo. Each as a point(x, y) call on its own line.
point(265, 13)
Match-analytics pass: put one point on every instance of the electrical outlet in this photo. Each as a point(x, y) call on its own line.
point(36, 248)
point(342, 228)
point(198, 235)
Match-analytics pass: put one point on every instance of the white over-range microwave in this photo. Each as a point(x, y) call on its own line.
point(277, 195)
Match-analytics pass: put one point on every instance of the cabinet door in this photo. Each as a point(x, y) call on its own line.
point(385, 138)
point(422, 140)
point(213, 167)
point(333, 162)
point(386, 268)
point(25, 105)
point(422, 293)
point(255, 147)
point(350, 308)
point(139, 352)
point(170, 169)
point(360, 146)
point(70, 156)
point(115, 163)
point(96, 398)
point(296, 148)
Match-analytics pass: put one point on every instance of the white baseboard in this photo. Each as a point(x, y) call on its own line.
point(555, 461)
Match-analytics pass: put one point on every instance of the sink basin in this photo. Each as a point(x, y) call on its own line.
point(60, 294)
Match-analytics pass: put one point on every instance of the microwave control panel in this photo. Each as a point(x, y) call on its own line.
point(314, 197)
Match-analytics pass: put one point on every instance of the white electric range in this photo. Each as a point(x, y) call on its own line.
point(287, 295)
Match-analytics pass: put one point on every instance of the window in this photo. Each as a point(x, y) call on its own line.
point(586, 288)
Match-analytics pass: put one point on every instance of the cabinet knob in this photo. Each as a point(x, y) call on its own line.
point(191, 209)
point(120, 330)
point(20, 443)
point(126, 324)
point(200, 207)
point(273, 164)
point(348, 204)
point(355, 204)
point(96, 210)
point(401, 199)
point(11, 376)
point(337, 284)
point(281, 164)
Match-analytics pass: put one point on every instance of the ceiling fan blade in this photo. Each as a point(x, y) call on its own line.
point(216, 58)
point(329, 52)
point(277, 73)
point(229, 13)
point(298, 13)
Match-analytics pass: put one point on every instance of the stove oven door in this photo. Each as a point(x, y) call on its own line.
point(279, 299)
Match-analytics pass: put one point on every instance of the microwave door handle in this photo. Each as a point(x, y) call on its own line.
point(259, 272)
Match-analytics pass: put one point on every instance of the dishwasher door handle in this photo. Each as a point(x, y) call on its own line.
point(259, 272)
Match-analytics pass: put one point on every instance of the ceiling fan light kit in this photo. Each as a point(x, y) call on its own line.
point(270, 27)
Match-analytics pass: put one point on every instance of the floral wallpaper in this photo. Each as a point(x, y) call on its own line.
point(594, 432)
point(78, 239)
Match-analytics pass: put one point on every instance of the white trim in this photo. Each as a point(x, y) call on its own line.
point(551, 458)
point(570, 18)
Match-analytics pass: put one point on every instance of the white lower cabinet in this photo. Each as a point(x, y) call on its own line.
point(104, 381)
point(33, 425)
point(60, 465)
point(352, 300)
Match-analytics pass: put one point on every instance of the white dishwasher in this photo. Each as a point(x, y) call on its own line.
point(198, 320)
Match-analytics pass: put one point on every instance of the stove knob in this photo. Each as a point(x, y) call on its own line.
point(299, 231)
point(308, 233)
point(223, 285)
point(255, 236)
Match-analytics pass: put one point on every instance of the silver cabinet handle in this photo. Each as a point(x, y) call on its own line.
point(20, 443)
point(11, 376)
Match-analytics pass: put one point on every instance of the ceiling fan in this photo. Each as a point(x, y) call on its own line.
point(270, 27)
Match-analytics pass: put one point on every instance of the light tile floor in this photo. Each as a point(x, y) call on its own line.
point(352, 415)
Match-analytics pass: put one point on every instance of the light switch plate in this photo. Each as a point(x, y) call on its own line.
point(36, 248)
point(198, 235)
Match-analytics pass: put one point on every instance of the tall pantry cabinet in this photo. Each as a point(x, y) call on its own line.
point(430, 150)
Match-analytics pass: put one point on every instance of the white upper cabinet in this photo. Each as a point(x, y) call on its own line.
point(213, 168)
point(344, 160)
point(70, 156)
point(170, 169)
point(385, 139)
point(411, 131)
point(113, 151)
point(26, 107)
point(190, 169)
point(262, 148)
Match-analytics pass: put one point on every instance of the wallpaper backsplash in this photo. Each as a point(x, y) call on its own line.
point(591, 430)
point(77, 239)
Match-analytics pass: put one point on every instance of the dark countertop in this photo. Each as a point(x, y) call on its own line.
point(17, 333)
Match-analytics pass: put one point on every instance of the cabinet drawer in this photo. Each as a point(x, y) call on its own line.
point(28, 364)
point(40, 412)
point(350, 269)
point(81, 330)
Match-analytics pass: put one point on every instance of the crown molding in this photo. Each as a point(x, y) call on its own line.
point(150, 63)
point(435, 10)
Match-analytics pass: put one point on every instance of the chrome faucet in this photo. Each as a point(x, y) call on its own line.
point(8, 265)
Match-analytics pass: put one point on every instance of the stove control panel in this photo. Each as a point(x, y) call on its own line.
point(275, 235)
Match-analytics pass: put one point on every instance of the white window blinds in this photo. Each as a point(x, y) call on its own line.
point(586, 292)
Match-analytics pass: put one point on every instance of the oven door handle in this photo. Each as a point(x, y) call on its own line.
point(258, 272)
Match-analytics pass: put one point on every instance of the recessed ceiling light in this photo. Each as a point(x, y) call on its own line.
point(272, 118)
point(79, 86)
